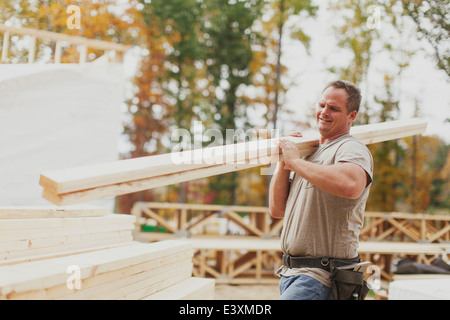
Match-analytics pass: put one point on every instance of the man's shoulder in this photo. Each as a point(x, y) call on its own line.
point(352, 142)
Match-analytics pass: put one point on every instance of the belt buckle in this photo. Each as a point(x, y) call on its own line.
point(325, 262)
point(287, 260)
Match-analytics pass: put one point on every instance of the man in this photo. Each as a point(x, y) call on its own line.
point(324, 198)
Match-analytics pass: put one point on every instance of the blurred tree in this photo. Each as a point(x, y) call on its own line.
point(267, 76)
point(438, 160)
point(386, 188)
point(356, 34)
point(282, 11)
point(99, 20)
point(148, 108)
point(408, 172)
point(432, 18)
point(441, 193)
point(181, 21)
point(229, 26)
point(420, 175)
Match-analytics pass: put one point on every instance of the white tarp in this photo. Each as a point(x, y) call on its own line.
point(54, 117)
point(423, 289)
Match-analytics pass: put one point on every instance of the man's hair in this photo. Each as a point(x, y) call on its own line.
point(353, 93)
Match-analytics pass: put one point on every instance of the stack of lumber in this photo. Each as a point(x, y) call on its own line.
point(73, 185)
point(89, 253)
point(34, 233)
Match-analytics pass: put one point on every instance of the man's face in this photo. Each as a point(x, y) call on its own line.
point(331, 114)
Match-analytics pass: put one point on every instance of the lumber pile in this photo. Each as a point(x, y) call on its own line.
point(73, 253)
point(34, 233)
point(92, 182)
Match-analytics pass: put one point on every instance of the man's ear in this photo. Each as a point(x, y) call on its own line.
point(352, 115)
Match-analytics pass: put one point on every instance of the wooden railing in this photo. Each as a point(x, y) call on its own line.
point(196, 219)
point(193, 219)
point(406, 227)
point(114, 51)
point(253, 256)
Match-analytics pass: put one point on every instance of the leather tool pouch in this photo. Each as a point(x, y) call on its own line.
point(346, 284)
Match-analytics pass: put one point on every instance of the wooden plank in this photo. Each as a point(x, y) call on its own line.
point(5, 257)
point(139, 185)
point(65, 244)
point(200, 260)
point(63, 253)
point(32, 50)
point(83, 54)
point(132, 175)
point(371, 226)
point(101, 279)
point(48, 223)
point(180, 273)
point(440, 233)
point(134, 286)
point(64, 228)
point(243, 267)
point(241, 223)
point(202, 221)
point(47, 211)
point(50, 241)
point(5, 46)
point(193, 288)
point(276, 227)
point(419, 276)
point(103, 174)
point(402, 248)
point(390, 130)
point(154, 265)
point(48, 273)
point(409, 216)
point(44, 233)
point(43, 34)
point(107, 285)
point(236, 244)
point(202, 207)
point(160, 220)
point(91, 176)
point(58, 52)
point(405, 230)
point(274, 245)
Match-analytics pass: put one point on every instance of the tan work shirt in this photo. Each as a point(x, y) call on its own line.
point(317, 223)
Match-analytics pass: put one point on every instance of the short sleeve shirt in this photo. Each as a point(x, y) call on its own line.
point(317, 223)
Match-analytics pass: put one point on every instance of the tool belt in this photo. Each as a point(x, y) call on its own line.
point(347, 281)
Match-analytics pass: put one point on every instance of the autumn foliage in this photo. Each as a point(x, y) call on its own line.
point(215, 61)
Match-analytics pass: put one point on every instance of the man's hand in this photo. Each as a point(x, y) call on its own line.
point(279, 184)
point(290, 153)
point(295, 134)
point(289, 150)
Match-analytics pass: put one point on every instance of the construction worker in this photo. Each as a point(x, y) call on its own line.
point(321, 197)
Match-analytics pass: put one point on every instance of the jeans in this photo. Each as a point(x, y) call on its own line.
point(302, 287)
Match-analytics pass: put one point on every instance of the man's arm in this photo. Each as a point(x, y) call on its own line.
point(278, 191)
point(345, 180)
